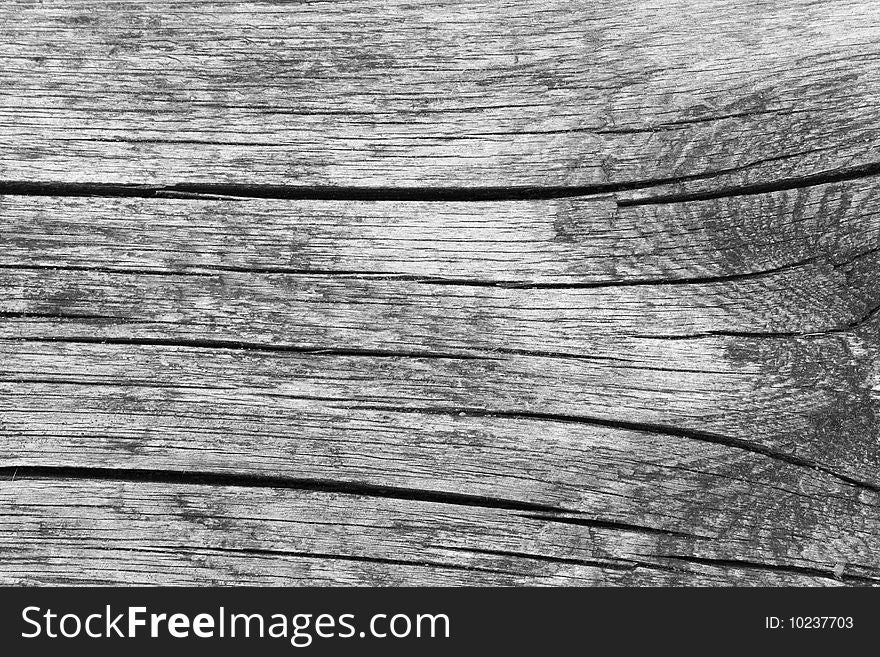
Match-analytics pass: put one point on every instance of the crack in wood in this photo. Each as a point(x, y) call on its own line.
point(240, 345)
point(328, 556)
point(769, 567)
point(645, 427)
point(582, 156)
point(615, 525)
point(214, 270)
point(178, 477)
point(849, 327)
point(438, 194)
point(622, 564)
point(785, 184)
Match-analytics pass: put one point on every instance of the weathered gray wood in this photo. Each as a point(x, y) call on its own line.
point(575, 240)
point(436, 94)
point(811, 398)
point(602, 306)
point(93, 532)
point(316, 312)
point(288, 416)
point(732, 411)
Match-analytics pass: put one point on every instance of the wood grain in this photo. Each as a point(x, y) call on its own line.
point(152, 533)
point(582, 240)
point(732, 410)
point(440, 293)
point(429, 94)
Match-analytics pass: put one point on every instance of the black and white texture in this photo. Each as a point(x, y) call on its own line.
point(434, 292)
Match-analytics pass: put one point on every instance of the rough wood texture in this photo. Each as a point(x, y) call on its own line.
point(104, 532)
point(504, 93)
point(440, 293)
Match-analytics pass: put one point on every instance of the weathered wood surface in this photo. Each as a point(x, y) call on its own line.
point(507, 293)
point(504, 93)
point(736, 413)
point(146, 533)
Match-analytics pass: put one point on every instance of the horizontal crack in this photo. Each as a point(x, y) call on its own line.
point(428, 194)
point(808, 180)
point(263, 552)
point(105, 270)
point(177, 477)
point(645, 427)
point(238, 345)
point(115, 383)
point(843, 329)
point(68, 316)
point(490, 353)
point(612, 565)
point(756, 565)
point(215, 270)
point(613, 525)
point(295, 192)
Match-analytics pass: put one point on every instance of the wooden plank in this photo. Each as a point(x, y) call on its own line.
point(149, 410)
point(810, 400)
point(713, 410)
point(592, 367)
point(439, 292)
point(94, 531)
point(425, 94)
point(317, 312)
point(586, 240)
point(687, 269)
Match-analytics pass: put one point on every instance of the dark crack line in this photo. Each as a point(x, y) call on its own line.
point(239, 345)
point(838, 330)
point(634, 282)
point(611, 565)
point(644, 427)
point(613, 525)
point(682, 124)
point(86, 317)
point(786, 184)
point(488, 354)
point(864, 319)
point(263, 552)
point(756, 565)
point(429, 194)
point(646, 561)
point(853, 258)
point(116, 383)
point(207, 271)
point(177, 477)
point(216, 191)
point(104, 270)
